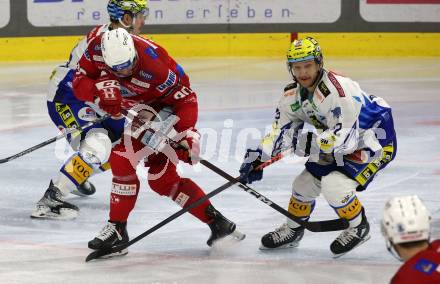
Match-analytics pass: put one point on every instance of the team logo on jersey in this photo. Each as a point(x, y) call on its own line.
point(336, 112)
point(169, 82)
point(324, 89)
point(151, 52)
point(87, 114)
point(145, 75)
point(425, 266)
point(97, 47)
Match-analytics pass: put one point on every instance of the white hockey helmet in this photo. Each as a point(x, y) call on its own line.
point(118, 50)
point(405, 219)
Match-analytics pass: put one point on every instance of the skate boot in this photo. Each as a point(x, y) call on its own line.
point(52, 206)
point(113, 233)
point(282, 237)
point(85, 189)
point(351, 238)
point(221, 227)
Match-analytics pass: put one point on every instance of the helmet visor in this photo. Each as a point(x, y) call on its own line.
point(142, 14)
point(124, 69)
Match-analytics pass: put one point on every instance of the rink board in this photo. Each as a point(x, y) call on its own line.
point(57, 48)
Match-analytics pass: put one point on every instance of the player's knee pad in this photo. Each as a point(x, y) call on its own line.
point(337, 187)
point(305, 187)
point(96, 147)
point(340, 192)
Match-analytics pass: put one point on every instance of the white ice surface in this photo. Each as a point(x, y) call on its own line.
point(244, 91)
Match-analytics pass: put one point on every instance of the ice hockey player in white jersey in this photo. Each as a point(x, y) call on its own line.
point(353, 139)
point(93, 145)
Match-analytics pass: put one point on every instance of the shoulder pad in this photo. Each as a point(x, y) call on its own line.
point(290, 86)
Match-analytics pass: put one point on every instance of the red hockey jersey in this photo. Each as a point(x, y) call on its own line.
point(157, 80)
point(423, 268)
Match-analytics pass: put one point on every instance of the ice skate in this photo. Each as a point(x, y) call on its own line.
point(52, 206)
point(282, 237)
point(221, 227)
point(351, 238)
point(113, 233)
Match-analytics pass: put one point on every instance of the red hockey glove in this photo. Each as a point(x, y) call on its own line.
point(109, 97)
point(192, 142)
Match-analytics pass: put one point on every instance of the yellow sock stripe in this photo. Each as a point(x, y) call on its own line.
point(300, 209)
point(350, 210)
point(77, 170)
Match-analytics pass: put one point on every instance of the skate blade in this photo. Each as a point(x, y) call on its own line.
point(286, 246)
point(363, 241)
point(65, 214)
point(238, 235)
point(79, 193)
point(235, 236)
point(115, 254)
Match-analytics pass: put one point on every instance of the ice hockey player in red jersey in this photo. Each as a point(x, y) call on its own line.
point(119, 67)
point(92, 148)
point(406, 228)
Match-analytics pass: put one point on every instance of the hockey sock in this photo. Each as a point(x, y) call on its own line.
point(300, 209)
point(123, 198)
point(73, 173)
point(350, 211)
point(188, 192)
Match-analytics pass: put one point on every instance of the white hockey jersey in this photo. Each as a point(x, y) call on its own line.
point(344, 116)
point(60, 84)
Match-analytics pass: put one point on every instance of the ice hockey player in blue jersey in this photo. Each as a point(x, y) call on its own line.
point(93, 146)
point(353, 139)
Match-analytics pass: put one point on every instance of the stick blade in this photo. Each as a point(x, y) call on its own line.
point(327, 225)
point(97, 254)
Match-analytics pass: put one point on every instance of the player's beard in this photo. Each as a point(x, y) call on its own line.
point(310, 81)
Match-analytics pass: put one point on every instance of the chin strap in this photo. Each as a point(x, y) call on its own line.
point(393, 252)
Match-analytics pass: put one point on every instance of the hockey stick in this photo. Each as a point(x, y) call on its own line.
point(50, 141)
point(313, 226)
point(99, 253)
